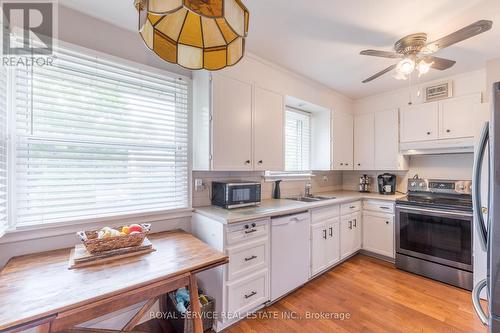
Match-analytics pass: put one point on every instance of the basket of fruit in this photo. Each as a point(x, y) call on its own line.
point(107, 238)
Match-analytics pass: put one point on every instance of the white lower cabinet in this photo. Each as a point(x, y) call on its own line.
point(378, 233)
point(324, 245)
point(350, 234)
point(378, 228)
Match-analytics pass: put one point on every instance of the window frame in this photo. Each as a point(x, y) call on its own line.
point(305, 172)
point(79, 224)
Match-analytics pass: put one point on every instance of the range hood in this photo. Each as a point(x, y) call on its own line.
point(444, 146)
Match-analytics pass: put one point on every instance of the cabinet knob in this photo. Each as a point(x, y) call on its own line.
point(253, 225)
point(341, 163)
point(247, 162)
point(428, 133)
point(448, 131)
point(359, 164)
point(260, 162)
point(347, 164)
point(386, 222)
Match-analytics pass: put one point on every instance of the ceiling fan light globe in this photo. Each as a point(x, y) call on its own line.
point(424, 67)
point(406, 66)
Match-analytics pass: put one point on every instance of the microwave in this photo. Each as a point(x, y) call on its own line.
point(235, 194)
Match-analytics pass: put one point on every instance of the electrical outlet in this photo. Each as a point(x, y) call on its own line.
point(198, 184)
point(325, 179)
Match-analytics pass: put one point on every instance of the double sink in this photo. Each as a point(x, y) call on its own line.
point(311, 198)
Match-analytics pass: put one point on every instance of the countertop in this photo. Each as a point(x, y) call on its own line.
point(274, 207)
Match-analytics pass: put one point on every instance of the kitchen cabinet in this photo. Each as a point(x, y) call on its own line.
point(342, 141)
point(419, 122)
point(232, 123)
point(451, 118)
point(458, 116)
point(364, 137)
point(378, 233)
point(324, 245)
point(387, 155)
point(350, 234)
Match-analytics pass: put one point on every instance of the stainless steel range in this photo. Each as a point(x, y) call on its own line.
point(434, 227)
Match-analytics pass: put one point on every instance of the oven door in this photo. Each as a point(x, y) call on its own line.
point(439, 236)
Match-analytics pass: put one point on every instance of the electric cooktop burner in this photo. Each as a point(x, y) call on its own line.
point(459, 202)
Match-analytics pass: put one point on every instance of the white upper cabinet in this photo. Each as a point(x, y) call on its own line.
point(458, 116)
point(237, 126)
point(268, 130)
point(231, 124)
point(419, 122)
point(452, 118)
point(342, 141)
point(364, 137)
point(387, 156)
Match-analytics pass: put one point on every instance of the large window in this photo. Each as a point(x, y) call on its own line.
point(95, 138)
point(297, 140)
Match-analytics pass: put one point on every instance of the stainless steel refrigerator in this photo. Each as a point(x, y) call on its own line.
point(487, 214)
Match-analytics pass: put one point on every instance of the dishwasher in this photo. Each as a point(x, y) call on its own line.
point(289, 253)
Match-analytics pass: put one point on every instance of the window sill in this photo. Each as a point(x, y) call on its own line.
point(60, 229)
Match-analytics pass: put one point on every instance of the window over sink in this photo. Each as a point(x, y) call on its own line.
point(91, 138)
point(297, 140)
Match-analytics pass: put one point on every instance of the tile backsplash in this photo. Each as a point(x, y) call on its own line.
point(323, 181)
point(350, 180)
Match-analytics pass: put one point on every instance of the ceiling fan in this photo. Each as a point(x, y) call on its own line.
point(415, 52)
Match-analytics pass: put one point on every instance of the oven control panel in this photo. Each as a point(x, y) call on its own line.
point(440, 186)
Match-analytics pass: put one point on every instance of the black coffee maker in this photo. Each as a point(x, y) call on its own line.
point(386, 183)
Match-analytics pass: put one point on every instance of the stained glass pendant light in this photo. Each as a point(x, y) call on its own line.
point(196, 34)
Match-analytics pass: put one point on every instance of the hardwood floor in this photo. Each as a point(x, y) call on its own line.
point(376, 296)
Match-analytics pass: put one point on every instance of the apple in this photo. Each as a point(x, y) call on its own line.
point(135, 227)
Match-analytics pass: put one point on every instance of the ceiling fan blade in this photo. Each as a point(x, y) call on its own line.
point(383, 54)
point(440, 63)
point(458, 36)
point(373, 77)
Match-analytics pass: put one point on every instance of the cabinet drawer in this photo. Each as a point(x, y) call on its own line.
point(247, 231)
point(247, 294)
point(246, 259)
point(324, 213)
point(350, 207)
point(379, 206)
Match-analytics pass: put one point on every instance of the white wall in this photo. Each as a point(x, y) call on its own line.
point(492, 75)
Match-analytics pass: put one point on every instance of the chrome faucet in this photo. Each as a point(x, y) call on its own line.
point(307, 189)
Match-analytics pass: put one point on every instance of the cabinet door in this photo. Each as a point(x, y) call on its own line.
point(387, 140)
point(342, 141)
point(458, 116)
point(268, 130)
point(347, 236)
point(364, 147)
point(318, 248)
point(231, 124)
point(357, 225)
point(332, 242)
point(378, 234)
point(419, 122)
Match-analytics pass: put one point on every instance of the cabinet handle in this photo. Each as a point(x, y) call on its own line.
point(386, 222)
point(260, 162)
point(448, 131)
point(341, 163)
point(359, 164)
point(428, 133)
point(251, 258)
point(347, 164)
point(350, 224)
point(352, 207)
point(355, 223)
point(247, 162)
point(253, 293)
point(382, 207)
point(331, 231)
point(324, 233)
point(250, 231)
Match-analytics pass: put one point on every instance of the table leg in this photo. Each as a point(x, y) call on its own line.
point(195, 304)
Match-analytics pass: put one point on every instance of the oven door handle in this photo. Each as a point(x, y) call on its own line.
point(442, 212)
point(476, 186)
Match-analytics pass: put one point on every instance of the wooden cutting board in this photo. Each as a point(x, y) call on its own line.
point(80, 257)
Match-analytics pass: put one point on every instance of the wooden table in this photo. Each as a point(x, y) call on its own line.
point(40, 291)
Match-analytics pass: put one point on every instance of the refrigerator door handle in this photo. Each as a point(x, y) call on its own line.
point(476, 301)
point(476, 187)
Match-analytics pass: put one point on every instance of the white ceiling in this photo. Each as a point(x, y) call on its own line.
point(321, 39)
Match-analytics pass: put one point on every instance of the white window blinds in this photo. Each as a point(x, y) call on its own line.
point(3, 150)
point(97, 138)
point(297, 140)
